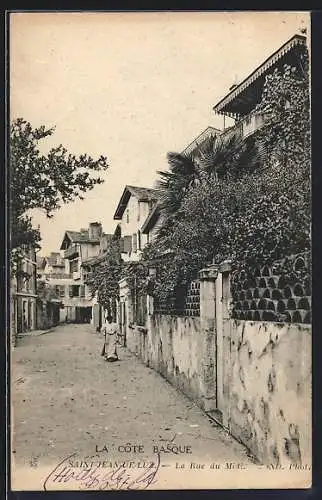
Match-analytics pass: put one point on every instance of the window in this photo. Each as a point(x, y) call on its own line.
point(127, 216)
point(74, 291)
point(139, 240)
point(74, 266)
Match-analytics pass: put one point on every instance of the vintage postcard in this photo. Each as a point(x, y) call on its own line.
point(160, 215)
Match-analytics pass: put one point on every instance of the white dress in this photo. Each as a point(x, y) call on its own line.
point(110, 330)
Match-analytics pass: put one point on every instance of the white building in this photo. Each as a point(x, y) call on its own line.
point(132, 211)
point(77, 247)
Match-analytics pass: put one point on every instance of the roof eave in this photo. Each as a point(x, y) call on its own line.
point(263, 68)
point(64, 238)
point(122, 204)
point(150, 221)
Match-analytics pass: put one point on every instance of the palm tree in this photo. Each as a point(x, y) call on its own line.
point(223, 158)
point(216, 158)
point(173, 184)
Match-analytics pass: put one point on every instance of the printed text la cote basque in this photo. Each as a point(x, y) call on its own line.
point(139, 448)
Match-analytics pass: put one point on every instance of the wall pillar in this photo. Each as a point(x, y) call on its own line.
point(224, 345)
point(207, 279)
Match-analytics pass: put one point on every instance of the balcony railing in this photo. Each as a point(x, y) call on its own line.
point(61, 276)
point(252, 123)
point(70, 252)
point(245, 127)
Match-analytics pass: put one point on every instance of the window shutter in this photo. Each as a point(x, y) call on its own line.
point(127, 244)
point(135, 242)
point(139, 240)
point(82, 290)
point(71, 290)
point(62, 291)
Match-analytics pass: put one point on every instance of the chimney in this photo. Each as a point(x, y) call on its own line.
point(95, 230)
point(235, 83)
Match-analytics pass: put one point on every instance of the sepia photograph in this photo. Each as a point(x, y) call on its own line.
point(159, 171)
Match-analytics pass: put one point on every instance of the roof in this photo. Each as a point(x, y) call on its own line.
point(54, 259)
point(208, 132)
point(78, 237)
point(151, 219)
point(93, 260)
point(241, 99)
point(141, 193)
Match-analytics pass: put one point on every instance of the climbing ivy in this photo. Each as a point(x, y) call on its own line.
point(105, 275)
point(250, 216)
point(251, 206)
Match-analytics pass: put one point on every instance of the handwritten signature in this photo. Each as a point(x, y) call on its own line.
point(98, 478)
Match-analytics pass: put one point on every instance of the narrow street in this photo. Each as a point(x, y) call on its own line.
point(66, 399)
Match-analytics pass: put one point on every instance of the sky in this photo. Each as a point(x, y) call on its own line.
point(130, 86)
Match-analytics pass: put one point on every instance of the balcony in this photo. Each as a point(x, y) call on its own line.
point(60, 276)
point(252, 123)
point(245, 127)
point(71, 252)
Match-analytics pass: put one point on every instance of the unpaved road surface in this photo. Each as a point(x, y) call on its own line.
point(67, 400)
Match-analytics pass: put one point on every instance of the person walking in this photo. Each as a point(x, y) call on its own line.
point(110, 330)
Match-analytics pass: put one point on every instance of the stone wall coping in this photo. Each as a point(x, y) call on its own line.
point(225, 266)
point(208, 273)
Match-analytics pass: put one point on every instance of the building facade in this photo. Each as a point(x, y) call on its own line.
point(77, 247)
point(88, 266)
point(24, 294)
point(133, 208)
point(152, 223)
point(240, 103)
point(53, 283)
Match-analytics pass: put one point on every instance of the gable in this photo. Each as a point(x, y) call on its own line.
point(66, 242)
point(140, 193)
